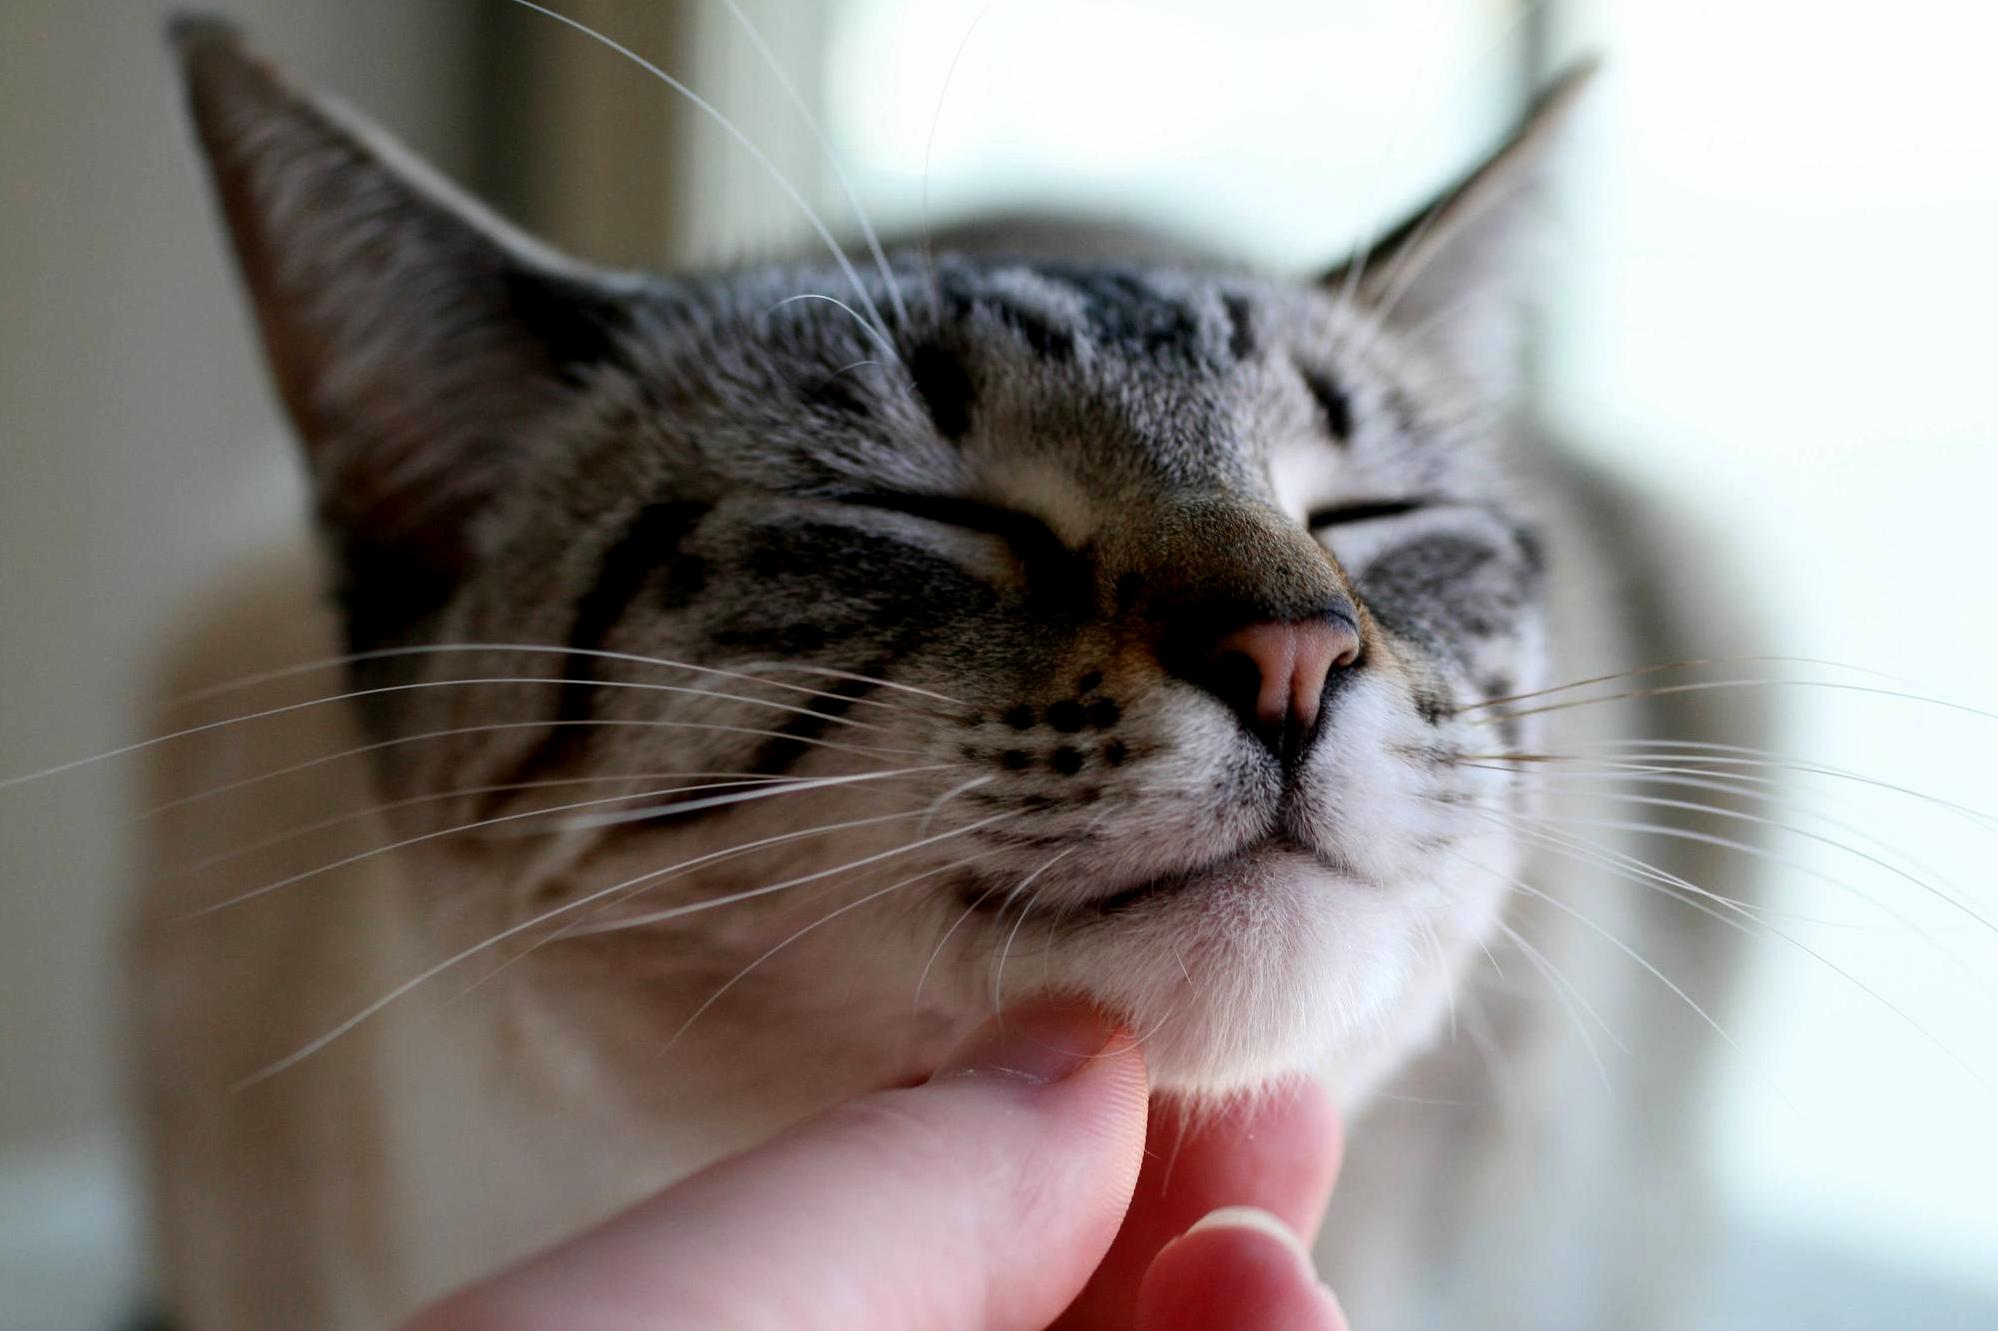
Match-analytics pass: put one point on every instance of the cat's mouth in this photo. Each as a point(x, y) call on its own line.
point(1213, 873)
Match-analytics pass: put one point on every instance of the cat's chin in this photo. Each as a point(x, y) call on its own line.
point(1271, 966)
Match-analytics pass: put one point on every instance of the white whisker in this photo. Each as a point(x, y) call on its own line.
point(1568, 996)
point(930, 815)
point(1690, 663)
point(1689, 834)
point(675, 912)
point(999, 974)
point(1609, 857)
point(624, 816)
point(1666, 690)
point(287, 709)
point(879, 338)
point(748, 145)
point(756, 668)
point(489, 727)
point(717, 781)
point(916, 1002)
point(1659, 880)
point(1732, 755)
point(1435, 942)
point(1622, 947)
point(408, 986)
point(929, 148)
point(529, 649)
point(686, 806)
point(827, 918)
point(1592, 779)
point(790, 89)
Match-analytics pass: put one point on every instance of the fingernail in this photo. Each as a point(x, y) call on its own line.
point(1329, 1314)
point(1254, 1217)
point(1038, 1043)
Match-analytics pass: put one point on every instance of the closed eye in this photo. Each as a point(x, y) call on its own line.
point(1031, 539)
point(1344, 515)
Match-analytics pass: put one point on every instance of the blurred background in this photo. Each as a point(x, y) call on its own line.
point(1771, 309)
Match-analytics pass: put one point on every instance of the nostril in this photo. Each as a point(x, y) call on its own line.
point(1273, 675)
point(1343, 642)
point(1237, 680)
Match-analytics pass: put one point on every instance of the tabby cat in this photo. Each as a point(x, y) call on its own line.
point(752, 679)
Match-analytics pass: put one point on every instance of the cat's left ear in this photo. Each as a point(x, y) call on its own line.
point(419, 343)
point(1456, 273)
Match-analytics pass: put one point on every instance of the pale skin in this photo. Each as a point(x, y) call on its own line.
point(1027, 1186)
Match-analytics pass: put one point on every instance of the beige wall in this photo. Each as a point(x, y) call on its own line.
point(133, 423)
point(141, 453)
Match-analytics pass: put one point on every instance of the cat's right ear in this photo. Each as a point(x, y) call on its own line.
point(415, 338)
point(1458, 271)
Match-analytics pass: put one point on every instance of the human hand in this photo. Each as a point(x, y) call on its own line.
point(1017, 1183)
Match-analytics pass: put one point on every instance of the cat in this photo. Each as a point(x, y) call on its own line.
point(748, 681)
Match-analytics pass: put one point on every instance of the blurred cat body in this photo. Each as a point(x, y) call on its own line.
point(851, 657)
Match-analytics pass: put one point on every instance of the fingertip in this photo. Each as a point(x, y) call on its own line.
point(1066, 1058)
point(1047, 1040)
point(1253, 1218)
point(1237, 1266)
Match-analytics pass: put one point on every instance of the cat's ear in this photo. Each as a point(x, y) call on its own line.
point(1457, 271)
point(414, 337)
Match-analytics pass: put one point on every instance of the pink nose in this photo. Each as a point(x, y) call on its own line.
point(1290, 662)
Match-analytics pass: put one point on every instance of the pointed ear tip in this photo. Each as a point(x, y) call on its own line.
point(224, 77)
point(208, 49)
point(1571, 84)
point(190, 33)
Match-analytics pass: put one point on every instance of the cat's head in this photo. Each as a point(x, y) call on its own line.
point(990, 624)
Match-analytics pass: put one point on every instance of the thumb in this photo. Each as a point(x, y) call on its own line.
point(982, 1198)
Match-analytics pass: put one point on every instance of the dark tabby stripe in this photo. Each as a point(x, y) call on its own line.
point(962, 294)
point(1241, 338)
point(776, 757)
point(1124, 310)
point(1048, 342)
point(1346, 514)
point(945, 387)
point(653, 538)
point(1332, 400)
